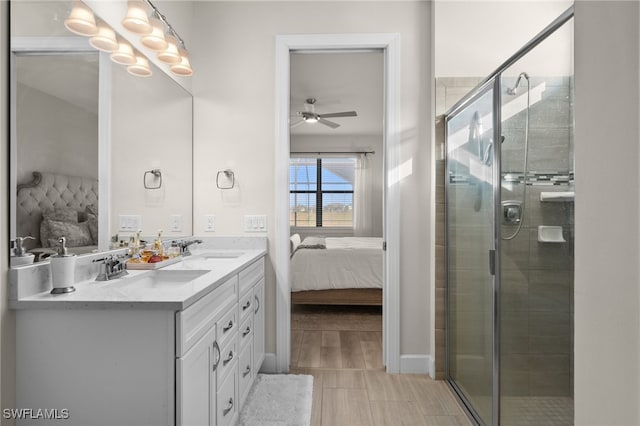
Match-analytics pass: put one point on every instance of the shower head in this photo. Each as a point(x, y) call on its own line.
point(513, 90)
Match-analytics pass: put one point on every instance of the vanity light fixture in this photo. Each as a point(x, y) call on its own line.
point(105, 39)
point(170, 55)
point(140, 68)
point(81, 20)
point(184, 67)
point(155, 40)
point(137, 19)
point(124, 55)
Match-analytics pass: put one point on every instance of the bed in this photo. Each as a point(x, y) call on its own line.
point(54, 205)
point(336, 271)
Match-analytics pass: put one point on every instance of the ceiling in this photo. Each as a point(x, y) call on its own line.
point(339, 81)
point(70, 77)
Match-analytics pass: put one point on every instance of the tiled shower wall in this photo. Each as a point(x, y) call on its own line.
point(537, 284)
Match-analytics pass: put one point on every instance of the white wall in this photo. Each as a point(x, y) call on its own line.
point(65, 139)
point(233, 56)
point(474, 37)
point(607, 280)
point(151, 129)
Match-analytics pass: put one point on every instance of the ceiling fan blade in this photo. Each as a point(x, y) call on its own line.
point(339, 114)
point(328, 123)
point(296, 124)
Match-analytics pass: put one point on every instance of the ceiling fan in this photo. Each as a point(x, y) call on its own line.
point(309, 115)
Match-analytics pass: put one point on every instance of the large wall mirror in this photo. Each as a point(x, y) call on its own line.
point(96, 153)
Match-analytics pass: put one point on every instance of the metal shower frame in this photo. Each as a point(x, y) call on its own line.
point(493, 81)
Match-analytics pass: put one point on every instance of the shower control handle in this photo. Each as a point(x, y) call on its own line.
point(511, 212)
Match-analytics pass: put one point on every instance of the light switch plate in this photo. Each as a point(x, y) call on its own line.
point(130, 222)
point(255, 223)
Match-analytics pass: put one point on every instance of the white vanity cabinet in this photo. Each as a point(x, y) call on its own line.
point(201, 330)
point(122, 363)
point(251, 331)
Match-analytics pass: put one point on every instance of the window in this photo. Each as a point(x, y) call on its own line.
point(321, 192)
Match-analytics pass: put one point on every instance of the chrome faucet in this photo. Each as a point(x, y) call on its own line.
point(111, 267)
point(184, 246)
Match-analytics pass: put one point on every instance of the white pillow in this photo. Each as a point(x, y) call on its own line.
point(295, 242)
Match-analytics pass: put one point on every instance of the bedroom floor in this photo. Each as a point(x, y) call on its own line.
point(341, 347)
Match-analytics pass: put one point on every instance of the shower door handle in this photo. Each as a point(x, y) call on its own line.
point(492, 262)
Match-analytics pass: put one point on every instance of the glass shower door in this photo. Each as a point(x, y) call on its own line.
point(470, 240)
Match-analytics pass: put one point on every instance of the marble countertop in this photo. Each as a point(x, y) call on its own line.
point(119, 294)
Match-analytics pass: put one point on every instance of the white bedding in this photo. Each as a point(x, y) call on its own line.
point(347, 262)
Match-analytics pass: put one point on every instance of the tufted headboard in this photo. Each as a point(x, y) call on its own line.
point(50, 191)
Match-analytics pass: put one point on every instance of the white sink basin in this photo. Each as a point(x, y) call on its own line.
point(161, 278)
point(220, 255)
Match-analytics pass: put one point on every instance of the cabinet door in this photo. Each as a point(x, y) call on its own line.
point(258, 326)
point(196, 383)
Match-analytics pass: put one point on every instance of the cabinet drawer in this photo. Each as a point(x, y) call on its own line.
point(193, 322)
point(228, 361)
point(245, 306)
point(227, 326)
point(227, 404)
point(245, 371)
point(251, 275)
point(246, 332)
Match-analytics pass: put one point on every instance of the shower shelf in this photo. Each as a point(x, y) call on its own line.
point(557, 197)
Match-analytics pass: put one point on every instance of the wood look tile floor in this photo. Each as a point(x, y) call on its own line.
point(341, 347)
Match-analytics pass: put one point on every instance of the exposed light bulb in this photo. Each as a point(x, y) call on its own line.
point(105, 39)
point(155, 40)
point(183, 68)
point(124, 55)
point(140, 68)
point(171, 54)
point(81, 20)
point(137, 20)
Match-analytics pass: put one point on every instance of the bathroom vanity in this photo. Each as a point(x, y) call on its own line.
point(178, 345)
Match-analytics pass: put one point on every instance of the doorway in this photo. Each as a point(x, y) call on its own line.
point(389, 44)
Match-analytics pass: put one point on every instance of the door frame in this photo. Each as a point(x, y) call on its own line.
point(390, 44)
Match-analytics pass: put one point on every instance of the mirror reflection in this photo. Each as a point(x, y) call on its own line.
point(96, 153)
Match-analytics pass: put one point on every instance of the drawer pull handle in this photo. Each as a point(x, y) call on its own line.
point(246, 331)
point(246, 305)
point(246, 371)
point(228, 327)
point(258, 304)
point(216, 348)
point(229, 358)
point(229, 407)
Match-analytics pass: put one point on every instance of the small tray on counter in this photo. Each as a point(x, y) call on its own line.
point(155, 265)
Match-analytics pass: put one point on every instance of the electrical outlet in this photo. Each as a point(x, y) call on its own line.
point(175, 223)
point(209, 223)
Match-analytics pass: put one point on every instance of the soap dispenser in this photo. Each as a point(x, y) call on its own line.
point(63, 267)
point(19, 255)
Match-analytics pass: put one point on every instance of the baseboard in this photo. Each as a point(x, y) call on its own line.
point(269, 364)
point(417, 364)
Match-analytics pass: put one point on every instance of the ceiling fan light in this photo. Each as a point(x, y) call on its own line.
point(124, 54)
point(311, 120)
point(140, 68)
point(137, 20)
point(81, 20)
point(105, 39)
point(171, 54)
point(155, 40)
point(183, 68)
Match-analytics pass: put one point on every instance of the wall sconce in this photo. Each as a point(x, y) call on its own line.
point(81, 20)
point(157, 35)
point(229, 179)
point(157, 176)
